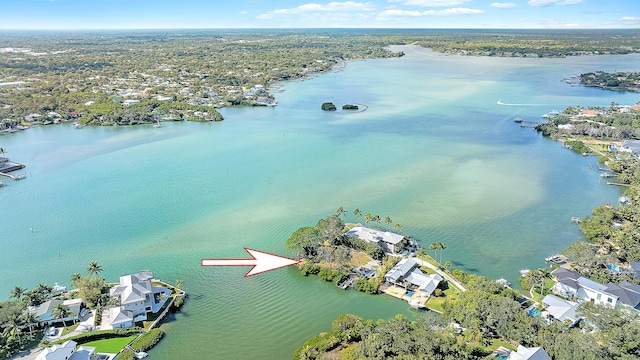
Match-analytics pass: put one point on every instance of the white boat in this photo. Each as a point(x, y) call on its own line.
point(77, 125)
point(524, 272)
point(556, 259)
point(504, 282)
point(417, 304)
point(158, 125)
point(623, 199)
point(141, 355)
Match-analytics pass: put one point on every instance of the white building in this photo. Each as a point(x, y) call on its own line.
point(67, 351)
point(138, 297)
point(44, 311)
point(406, 273)
point(130, 102)
point(523, 353)
point(388, 241)
point(571, 284)
point(560, 309)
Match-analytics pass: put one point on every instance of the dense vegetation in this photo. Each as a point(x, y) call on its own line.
point(349, 107)
point(486, 313)
point(87, 77)
point(610, 123)
point(618, 81)
point(328, 106)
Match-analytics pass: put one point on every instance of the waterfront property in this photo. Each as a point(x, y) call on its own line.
point(138, 298)
point(387, 240)
point(524, 353)
point(571, 284)
point(406, 274)
point(7, 166)
point(44, 311)
point(67, 351)
point(559, 309)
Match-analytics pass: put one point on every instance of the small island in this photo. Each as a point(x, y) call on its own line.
point(350, 107)
point(328, 106)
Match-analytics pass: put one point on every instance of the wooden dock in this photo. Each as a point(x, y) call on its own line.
point(618, 184)
point(14, 177)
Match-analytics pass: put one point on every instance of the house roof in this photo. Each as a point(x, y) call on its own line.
point(523, 353)
point(635, 266)
point(401, 269)
point(133, 287)
point(559, 308)
point(117, 315)
point(590, 284)
point(60, 351)
point(372, 235)
point(426, 283)
point(627, 293)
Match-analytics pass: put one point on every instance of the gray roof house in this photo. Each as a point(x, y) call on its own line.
point(44, 311)
point(138, 297)
point(387, 240)
point(572, 284)
point(406, 273)
point(635, 268)
point(67, 351)
point(628, 294)
point(560, 309)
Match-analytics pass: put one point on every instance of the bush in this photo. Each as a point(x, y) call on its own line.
point(177, 303)
point(147, 340)
point(349, 107)
point(307, 268)
point(329, 275)
point(364, 285)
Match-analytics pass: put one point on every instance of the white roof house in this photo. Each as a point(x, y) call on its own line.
point(120, 318)
point(44, 311)
point(523, 353)
point(387, 240)
point(569, 283)
point(138, 297)
point(406, 272)
point(67, 351)
point(560, 309)
point(133, 288)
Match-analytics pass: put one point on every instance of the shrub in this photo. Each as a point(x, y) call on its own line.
point(147, 340)
point(364, 285)
point(307, 268)
point(328, 275)
point(349, 107)
point(177, 303)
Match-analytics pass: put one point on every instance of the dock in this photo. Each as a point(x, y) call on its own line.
point(7, 166)
point(576, 220)
point(618, 184)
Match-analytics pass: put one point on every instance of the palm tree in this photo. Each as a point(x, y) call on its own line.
point(441, 246)
point(398, 227)
point(340, 211)
point(543, 274)
point(367, 218)
point(434, 246)
point(30, 320)
point(17, 292)
point(13, 326)
point(387, 221)
point(357, 213)
point(61, 312)
point(75, 279)
point(376, 218)
point(94, 268)
point(179, 284)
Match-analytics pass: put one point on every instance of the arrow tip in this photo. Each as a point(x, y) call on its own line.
point(267, 262)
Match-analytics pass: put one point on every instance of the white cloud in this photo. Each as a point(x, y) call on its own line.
point(244, 12)
point(350, 6)
point(553, 2)
point(397, 13)
point(432, 3)
point(630, 20)
point(503, 5)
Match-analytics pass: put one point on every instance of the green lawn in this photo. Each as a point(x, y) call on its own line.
point(110, 346)
point(69, 329)
point(435, 303)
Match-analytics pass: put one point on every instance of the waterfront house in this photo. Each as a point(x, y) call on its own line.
point(138, 297)
point(67, 351)
point(635, 268)
point(560, 309)
point(44, 311)
point(631, 146)
point(573, 285)
point(407, 274)
point(388, 241)
point(628, 294)
point(523, 353)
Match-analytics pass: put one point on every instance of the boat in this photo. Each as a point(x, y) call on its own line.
point(524, 272)
point(417, 304)
point(623, 200)
point(141, 355)
point(608, 174)
point(556, 259)
point(77, 125)
point(518, 120)
point(1, 183)
point(158, 125)
point(504, 282)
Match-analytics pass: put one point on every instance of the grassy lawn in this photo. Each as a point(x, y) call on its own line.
point(69, 329)
point(548, 284)
point(496, 343)
point(427, 270)
point(435, 303)
point(358, 258)
point(111, 346)
point(430, 260)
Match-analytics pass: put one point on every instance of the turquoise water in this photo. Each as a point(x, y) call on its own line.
point(434, 151)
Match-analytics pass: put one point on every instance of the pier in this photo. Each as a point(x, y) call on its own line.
point(618, 184)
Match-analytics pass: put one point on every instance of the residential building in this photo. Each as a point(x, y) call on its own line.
point(130, 102)
point(560, 309)
point(45, 311)
point(138, 298)
point(628, 294)
point(67, 351)
point(388, 241)
point(573, 285)
point(635, 268)
point(523, 353)
point(631, 146)
point(406, 273)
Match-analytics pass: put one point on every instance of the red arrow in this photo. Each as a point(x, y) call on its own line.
point(261, 262)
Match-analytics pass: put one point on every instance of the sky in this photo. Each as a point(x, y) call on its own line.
point(165, 14)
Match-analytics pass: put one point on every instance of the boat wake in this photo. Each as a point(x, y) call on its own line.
point(505, 104)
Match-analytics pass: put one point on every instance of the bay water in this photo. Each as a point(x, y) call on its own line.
point(434, 150)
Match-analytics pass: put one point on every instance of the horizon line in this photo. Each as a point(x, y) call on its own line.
point(314, 28)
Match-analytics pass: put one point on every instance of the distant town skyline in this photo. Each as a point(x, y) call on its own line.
point(167, 14)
